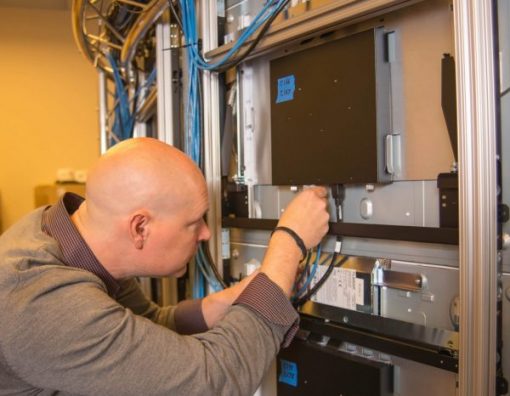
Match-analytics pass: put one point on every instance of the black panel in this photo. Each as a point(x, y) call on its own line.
point(324, 116)
point(428, 345)
point(445, 235)
point(448, 185)
point(308, 369)
point(235, 199)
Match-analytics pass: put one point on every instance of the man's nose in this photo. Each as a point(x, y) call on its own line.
point(205, 233)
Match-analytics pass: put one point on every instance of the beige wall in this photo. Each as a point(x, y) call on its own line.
point(48, 105)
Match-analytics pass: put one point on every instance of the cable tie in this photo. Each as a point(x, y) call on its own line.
point(294, 236)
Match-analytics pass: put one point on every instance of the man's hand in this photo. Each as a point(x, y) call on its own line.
point(308, 217)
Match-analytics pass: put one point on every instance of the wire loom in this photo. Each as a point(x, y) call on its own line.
point(193, 123)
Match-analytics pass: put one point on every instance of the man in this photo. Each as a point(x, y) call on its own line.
point(73, 320)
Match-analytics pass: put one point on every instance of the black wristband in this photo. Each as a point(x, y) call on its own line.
point(294, 236)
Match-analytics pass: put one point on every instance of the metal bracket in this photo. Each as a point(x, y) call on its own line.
point(383, 276)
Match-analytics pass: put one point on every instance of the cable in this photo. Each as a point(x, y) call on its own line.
point(150, 80)
point(311, 275)
point(198, 282)
point(321, 281)
point(124, 121)
point(206, 271)
point(209, 270)
point(122, 125)
point(254, 43)
point(338, 193)
point(304, 271)
point(264, 18)
point(210, 262)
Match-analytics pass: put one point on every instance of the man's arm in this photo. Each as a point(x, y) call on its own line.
point(216, 305)
point(187, 317)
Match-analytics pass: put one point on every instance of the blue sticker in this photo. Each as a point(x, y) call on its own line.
point(286, 88)
point(289, 373)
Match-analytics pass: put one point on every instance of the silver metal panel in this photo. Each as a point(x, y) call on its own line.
point(476, 115)
point(269, 202)
point(399, 250)
point(254, 112)
point(243, 254)
point(412, 203)
point(431, 305)
point(423, 34)
point(399, 203)
point(266, 200)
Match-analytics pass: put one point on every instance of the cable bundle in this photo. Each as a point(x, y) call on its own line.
point(264, 18)
point(196, 62)
point(124, 108)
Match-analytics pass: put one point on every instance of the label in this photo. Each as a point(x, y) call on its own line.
point(289, 373)
point(286, 88)
point(342, 289)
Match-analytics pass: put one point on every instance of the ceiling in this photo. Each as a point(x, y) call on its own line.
point(37, 4)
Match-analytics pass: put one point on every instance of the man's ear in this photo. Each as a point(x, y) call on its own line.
point(139, 228)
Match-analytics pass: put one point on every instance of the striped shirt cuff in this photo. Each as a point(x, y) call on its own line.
point(189, 318)
point(264, 297)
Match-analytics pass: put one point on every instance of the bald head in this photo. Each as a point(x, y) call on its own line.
point(145, 203)
point(141, 173)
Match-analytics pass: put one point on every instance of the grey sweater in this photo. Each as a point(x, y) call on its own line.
point(61, 333)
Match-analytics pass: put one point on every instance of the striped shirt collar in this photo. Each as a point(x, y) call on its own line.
point(57, 223)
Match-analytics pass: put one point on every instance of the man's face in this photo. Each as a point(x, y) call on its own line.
point(175, 237)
